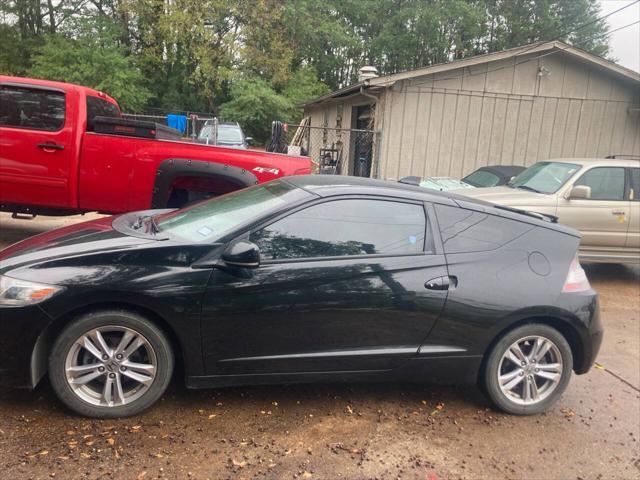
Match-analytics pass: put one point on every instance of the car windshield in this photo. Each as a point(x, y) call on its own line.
point(226, 134)
point(210, 220)
point(544, 177)
point(482, 178)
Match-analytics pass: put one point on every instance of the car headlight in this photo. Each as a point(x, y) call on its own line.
point(19, 293)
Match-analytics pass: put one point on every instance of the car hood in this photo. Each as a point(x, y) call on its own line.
point(88, 237)
point(510, 197)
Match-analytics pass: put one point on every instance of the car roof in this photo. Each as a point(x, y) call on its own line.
point(36, 82)
point(332, 185)
point(605, 162)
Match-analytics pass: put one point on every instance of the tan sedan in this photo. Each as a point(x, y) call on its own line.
point(599, 197)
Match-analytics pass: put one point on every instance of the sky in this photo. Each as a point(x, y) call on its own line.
point(625, 43)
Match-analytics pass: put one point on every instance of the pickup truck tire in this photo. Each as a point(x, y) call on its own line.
point(178, 198)
point(110, 364)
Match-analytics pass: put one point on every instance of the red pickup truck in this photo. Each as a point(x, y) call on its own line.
point(65, 149)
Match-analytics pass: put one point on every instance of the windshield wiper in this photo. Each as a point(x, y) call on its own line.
point(525, 187)
point(149, 220)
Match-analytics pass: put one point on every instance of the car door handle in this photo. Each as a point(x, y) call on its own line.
point(50, 146)
point(440, 283)
point(618, 212)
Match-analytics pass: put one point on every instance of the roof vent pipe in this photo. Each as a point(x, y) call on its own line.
point(367, 72)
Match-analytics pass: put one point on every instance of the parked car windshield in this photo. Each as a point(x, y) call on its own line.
point(210, 220)
point(226, 134)
point(482, 178)
point(544, 177)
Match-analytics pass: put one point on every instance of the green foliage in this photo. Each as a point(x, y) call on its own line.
point(92, 59)
point(267, 56)
point(254, 104)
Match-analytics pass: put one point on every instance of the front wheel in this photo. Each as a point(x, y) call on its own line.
point(528, 369)
point(110, 364)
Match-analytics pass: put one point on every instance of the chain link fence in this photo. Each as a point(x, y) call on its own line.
point(336, 151)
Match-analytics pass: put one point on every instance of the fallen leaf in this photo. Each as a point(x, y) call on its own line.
point(110, 441)
point(238, 464)
point(349, 410)
point(213, 415)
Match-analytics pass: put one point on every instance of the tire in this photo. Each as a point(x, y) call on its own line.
point(550, 372)
point(134, 381)
point(178, 198)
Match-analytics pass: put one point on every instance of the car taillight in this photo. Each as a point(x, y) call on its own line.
point(576, 278)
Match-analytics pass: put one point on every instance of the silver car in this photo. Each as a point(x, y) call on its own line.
point(599, 197)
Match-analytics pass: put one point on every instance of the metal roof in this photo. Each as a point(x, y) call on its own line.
point(540, 48)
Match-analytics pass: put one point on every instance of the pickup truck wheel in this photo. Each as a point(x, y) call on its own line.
point(178, 198)
point(110, 364)
point(528, 369)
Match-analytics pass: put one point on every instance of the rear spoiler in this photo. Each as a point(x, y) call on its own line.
point(540, 216)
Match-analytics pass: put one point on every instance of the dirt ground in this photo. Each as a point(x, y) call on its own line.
point(331, 431)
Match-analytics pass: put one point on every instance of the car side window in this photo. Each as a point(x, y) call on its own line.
point(98, 107)
point(345, 228)
point(607, 183)
point(465, 230)
point(635, 184)
point(31, 108)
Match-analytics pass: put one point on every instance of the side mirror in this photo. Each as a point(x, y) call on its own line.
point(248, 140)
point(579, 192)
point(242, 254)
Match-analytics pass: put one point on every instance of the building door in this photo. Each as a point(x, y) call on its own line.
point(363, 142)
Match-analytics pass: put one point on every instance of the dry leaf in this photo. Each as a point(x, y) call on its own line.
point(213, 415)
point(238, 464)
point(349, 410)
point(110, 441)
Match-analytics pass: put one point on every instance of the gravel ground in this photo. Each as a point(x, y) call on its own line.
point(331, 431)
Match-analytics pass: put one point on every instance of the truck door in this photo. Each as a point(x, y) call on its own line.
point(36, 146)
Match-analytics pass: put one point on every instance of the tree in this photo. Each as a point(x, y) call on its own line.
point(254, 104)
point(92, 59)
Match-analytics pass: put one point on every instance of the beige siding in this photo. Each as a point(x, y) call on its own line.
point(505, 113)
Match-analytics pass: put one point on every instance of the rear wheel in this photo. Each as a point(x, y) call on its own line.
point(528, 369)
point(109, 364)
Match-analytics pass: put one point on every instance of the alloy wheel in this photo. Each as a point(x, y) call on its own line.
point(110, 366)
point(530, 370)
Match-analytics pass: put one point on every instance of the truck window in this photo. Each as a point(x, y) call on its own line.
point(31, 108)
point(98, 107)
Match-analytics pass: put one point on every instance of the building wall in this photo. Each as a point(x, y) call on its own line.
point(503, 112)
point(337, 116)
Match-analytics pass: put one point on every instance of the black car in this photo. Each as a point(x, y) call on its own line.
point(309, 278)
point(493, 175)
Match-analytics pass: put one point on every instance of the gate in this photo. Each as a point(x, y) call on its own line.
point(337, 151)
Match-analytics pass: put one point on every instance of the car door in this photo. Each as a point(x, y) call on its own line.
point(36, 136)
point(603, 219)
point(633, 234)
point(341, 287)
